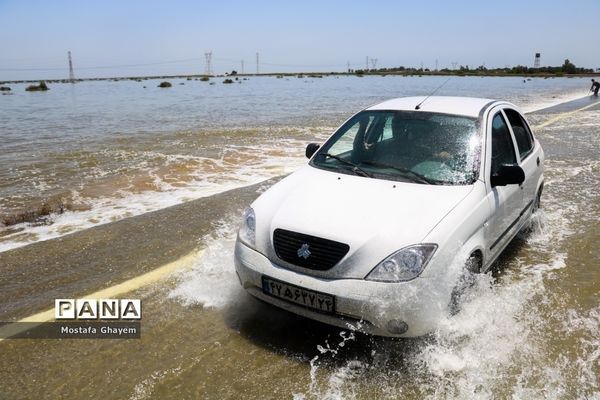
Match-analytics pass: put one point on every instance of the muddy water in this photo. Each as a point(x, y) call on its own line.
point(87, 154)
point(529, 330)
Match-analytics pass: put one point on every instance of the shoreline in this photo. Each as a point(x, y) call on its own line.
point(312, 74)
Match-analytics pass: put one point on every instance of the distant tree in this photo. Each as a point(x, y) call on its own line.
point(568, 67)
point(519, 69)
point(234, 72)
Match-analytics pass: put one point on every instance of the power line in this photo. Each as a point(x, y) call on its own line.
point(103, 66)
point(187, 60)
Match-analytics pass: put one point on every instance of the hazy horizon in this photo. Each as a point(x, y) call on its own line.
point(141, 38)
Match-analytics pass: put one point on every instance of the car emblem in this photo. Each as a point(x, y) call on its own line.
point(303, 251)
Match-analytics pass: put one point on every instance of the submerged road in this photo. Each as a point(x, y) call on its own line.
point(74, 265)
point(244, 350)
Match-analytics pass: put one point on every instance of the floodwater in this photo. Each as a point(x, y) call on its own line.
point(84, 154)
point(529, 330)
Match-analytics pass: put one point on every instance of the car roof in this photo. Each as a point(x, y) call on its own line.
point(466, 106)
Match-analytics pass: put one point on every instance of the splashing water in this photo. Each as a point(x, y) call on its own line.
point(529, 329)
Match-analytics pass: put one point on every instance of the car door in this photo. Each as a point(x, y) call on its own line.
point(528, 154)
point(504, 201)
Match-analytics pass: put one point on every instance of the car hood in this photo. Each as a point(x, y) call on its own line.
point(374, 217)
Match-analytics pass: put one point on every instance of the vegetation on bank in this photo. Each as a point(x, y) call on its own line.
point(37, 88)
point(568, 68)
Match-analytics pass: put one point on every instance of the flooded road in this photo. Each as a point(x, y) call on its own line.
point(88, 154)
point(529, 330)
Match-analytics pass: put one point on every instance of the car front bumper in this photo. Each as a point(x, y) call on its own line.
point(404, 309)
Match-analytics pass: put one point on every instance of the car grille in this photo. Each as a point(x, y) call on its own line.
point(308, 251)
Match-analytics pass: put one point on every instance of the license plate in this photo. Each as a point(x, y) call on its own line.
point(295, 294)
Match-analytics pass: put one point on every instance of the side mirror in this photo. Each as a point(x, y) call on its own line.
point(311, 149)
point(508, 175)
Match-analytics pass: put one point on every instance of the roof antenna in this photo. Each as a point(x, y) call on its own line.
point(418, 106)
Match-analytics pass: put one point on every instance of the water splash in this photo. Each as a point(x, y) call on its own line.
point(212, 282)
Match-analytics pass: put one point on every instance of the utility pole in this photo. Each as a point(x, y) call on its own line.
point(373, 63)
point(242, 67)
point(348, 66)
point(454, 64)
point(208, 69)
point(71, 73)
point(367, 64)
point(257, 64)
point(436, 64)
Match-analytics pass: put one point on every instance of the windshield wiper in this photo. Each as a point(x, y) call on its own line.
point(416, 177)
point(355, 168)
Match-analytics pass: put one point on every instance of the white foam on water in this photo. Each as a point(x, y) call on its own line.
point(212, 282)
point(109, 209)
point(489, 336)
point(124, 204)
point(471, 355)
point(145, 388)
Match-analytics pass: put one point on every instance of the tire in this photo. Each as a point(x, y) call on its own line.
point(537, 202)
point(466, 281)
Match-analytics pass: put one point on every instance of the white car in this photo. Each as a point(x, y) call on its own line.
point(369, 234)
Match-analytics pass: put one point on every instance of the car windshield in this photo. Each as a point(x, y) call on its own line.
point(412, 146)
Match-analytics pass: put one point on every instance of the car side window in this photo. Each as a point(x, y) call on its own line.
point(521, 131)
point(503, 150)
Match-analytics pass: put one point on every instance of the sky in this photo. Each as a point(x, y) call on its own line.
point(139, 38)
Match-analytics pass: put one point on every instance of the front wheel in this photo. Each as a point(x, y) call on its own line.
point(465, 281)
point(534, 220)
point(537, 202)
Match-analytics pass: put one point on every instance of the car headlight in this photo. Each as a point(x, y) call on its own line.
point(403, 265)
point(247, 233)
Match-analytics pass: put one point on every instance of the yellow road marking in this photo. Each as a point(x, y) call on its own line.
point(130, 285)
point(563, 115)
